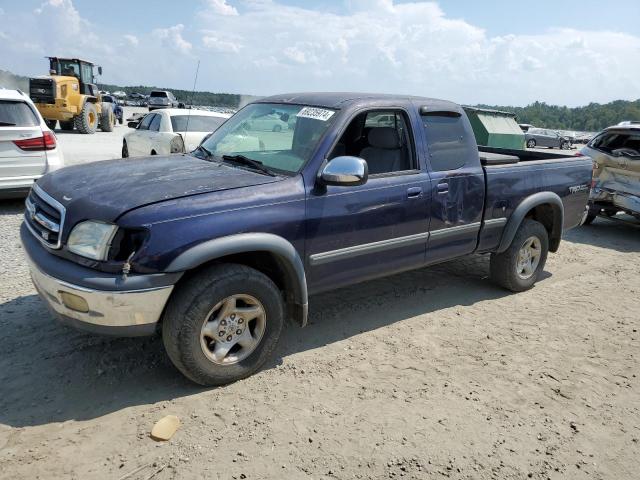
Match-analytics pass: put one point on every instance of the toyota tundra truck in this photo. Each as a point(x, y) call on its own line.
point(216, 248)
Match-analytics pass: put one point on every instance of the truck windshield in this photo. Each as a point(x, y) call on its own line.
point(281, 137)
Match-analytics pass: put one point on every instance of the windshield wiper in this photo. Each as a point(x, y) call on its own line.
point(255, 164)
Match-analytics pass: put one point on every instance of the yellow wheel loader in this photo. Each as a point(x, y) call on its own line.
point(69, 95)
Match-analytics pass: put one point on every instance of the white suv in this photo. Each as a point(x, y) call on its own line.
point(28, 148)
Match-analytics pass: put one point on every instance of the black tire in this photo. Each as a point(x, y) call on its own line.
point(51, 123)
point(67, 126)
point(277, 128)
point(87, 121)
point(190, 308)
point(588, 220)
point(531, 143)
point(565, 145)
point(591, 214)
point(504, 271)
point(153, 152)
point(125, 149)
point(106, 118)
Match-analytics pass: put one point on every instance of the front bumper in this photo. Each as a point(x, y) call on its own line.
point(94, 301)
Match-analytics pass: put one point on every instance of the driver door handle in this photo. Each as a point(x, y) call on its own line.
point(443, 188)
point(414, 192)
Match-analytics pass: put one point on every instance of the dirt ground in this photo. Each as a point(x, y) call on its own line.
point(428, 374)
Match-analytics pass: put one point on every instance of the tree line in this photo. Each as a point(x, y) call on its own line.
point(231, 100)
point(590, 118)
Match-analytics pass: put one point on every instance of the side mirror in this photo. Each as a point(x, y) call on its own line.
point(345, 171)
point(133, 124)
point(99, 70)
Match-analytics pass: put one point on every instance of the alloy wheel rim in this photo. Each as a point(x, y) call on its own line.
point(233, 329)
point(528, 258)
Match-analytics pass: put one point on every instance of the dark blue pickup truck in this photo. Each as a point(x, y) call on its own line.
point(293, 195)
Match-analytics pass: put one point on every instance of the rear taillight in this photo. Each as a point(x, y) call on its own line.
point(46, 142)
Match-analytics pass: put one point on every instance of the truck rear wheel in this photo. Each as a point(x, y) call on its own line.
point(222, 324)
point(66, 126)
point(106, 118)
point(52, 123)
point(519, 266)
point(87, 121)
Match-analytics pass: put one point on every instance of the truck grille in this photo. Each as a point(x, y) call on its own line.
point(44, 217)
point(42, 90)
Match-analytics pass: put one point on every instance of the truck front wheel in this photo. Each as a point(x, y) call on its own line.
point(223, 323)
point(518, 268)
point(87, 121)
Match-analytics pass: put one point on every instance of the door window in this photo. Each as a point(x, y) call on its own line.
point(146, 121)
point(154, 126)
point(382, 138)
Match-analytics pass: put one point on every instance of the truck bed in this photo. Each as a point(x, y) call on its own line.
point(504, 156)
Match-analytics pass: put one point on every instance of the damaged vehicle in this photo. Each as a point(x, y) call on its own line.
point(616, 179)
point(217, 248)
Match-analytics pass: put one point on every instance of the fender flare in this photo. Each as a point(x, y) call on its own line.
point(282, 249)
point(518, 215)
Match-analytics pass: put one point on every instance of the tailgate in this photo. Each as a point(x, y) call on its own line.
point(16, 162)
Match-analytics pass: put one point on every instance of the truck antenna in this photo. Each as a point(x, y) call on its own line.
point(193, 92)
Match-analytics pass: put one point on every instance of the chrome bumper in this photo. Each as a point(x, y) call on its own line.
point(122, 313)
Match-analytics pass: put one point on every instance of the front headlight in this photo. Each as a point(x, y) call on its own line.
point(92, 239)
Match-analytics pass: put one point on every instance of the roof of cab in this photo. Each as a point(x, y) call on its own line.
point(341, 99)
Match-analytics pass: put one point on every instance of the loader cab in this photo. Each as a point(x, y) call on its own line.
point(80, 69)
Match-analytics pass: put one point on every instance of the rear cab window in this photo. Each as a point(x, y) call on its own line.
point(446, 134)
point(14, 113)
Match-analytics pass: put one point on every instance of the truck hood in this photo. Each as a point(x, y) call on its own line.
point(105, 190)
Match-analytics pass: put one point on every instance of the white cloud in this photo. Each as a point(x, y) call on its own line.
point(172, 38)
point(221, 7)
point(371, 45)
point(213, 42)
point(132, 40)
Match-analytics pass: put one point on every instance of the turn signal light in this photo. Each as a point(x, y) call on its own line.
point(46, 142)
point(74, 302)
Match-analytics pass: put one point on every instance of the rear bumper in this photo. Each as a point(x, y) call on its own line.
point(58, 111)
point(95, 301)
point(15, 187)
point(624, 201)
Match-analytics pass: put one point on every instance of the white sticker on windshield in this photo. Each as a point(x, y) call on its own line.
point(315, 113)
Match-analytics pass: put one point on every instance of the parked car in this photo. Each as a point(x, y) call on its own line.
point(543, 137)
point(28, 147)
point(163, 99)
point(616, 180)
point(218, 247)
point(168, 131)
point(271, 122)
point(115, 105)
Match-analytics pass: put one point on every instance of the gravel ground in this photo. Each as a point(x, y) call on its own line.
point(433, 373)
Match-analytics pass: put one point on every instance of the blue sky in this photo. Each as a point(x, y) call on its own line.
point(499, 52)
